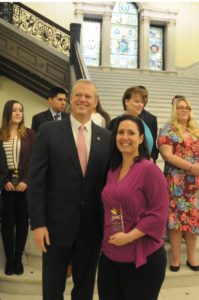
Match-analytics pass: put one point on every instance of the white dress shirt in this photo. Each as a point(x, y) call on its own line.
point(55, 113)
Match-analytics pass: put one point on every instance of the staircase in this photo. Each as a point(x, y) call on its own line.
point(162, 86)
point(29, 284)
point(34, 51)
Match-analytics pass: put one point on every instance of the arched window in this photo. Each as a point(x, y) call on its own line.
point(110, 37)
point(124, 36)
point(156, 48)
point(91, 37)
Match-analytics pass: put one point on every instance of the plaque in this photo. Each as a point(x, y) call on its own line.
point(117, 223)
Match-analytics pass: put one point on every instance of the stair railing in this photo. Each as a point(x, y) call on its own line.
point(80, 67)
point(36, 25)
point(49, 32)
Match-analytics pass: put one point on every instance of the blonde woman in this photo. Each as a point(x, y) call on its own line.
point(179, 146)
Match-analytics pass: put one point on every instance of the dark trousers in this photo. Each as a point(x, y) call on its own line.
point(122, 281)
point(84, 263)
point(14, 223)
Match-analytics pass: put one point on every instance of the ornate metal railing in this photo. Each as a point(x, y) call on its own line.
point(36, 25)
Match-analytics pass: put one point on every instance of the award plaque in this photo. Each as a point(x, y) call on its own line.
point(117, 223)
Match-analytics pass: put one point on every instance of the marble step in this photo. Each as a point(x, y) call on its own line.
point(33, 256)
point(30, 282)
point(182, 293)
point(183, 251)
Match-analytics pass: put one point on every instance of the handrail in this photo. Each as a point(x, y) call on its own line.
point(44, 29)
point(36, 25)
point(83, 71)
point(33, 12)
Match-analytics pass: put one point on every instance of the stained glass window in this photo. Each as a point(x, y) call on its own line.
point(156, 48)
point(124, 35)
point(91, 33)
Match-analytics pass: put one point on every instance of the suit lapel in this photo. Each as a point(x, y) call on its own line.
point(49, 116)
point(69, 142)
point(96, 141)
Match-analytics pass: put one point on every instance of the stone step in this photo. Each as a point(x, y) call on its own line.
point(33, 256)
point(182, 293)
point(30, 282)
point(183, 251)
point(162, 87)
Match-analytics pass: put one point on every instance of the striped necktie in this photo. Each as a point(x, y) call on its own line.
point(56, 117)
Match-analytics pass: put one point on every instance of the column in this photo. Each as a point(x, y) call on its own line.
point(106, 28)
point(170, 46)
point(144, 42)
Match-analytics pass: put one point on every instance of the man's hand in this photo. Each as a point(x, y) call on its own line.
point(41, 237)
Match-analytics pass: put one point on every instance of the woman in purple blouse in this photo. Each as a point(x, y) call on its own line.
point(133, 260)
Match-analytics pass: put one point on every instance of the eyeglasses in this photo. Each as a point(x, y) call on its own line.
point(184, 108)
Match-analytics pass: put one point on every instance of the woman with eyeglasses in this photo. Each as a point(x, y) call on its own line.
point(17, 141)
point(179, 146)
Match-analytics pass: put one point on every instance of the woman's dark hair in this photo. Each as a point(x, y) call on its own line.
point(103, 113)
point(6, 117)
point(133, 91)
point(116, 156)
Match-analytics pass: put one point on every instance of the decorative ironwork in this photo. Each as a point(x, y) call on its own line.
point(36, 25)
point(6, 11)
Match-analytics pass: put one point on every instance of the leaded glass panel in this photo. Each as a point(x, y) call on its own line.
point(124, 36)
point(156, 48)
point(91, 33)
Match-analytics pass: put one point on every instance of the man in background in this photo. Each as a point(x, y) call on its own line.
point(151, 121)
point(57, 99)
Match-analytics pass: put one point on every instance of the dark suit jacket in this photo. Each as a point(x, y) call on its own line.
point(24, 159)
point(151, 122)
point(59, 197)
point(3, 166)
point(24, 156)
point(43, 117)
point(3, 172)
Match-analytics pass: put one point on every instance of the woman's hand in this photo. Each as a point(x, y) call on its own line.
point(9, 187)
point(21, 187)
point(195, 169)
point(120, 239)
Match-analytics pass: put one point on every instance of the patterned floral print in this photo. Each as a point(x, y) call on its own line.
point(183, 188)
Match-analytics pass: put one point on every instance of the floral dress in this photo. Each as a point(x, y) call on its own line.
point(183, 188)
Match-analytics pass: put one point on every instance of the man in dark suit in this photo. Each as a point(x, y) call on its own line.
point(57, 99)
point(151, 121)
point(65, 198)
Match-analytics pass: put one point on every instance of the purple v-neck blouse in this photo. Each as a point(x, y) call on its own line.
point(141, 201)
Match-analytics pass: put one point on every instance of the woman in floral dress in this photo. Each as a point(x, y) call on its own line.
point(179, 146)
